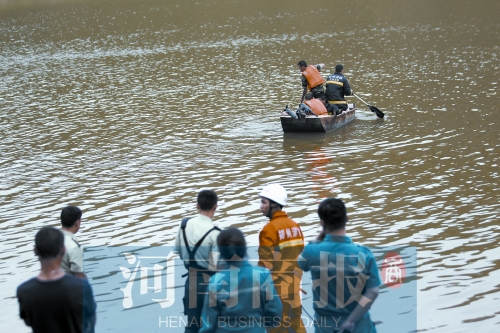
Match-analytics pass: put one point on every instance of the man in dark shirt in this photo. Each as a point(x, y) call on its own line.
point(54, 301)
point(337, 87)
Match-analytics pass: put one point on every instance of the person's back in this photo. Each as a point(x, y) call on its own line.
point(317, 106)
point(57, 305)
point(346, 256)
point(195, 229)
point(311, 79)
point(53, 301)
point(346, 274)
point(337, 86)
point(71, 218)
point(196, 244)
point(241, 297)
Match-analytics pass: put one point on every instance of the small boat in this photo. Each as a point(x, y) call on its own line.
point(317, 124)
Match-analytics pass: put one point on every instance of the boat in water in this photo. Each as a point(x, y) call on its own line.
point(318, 123)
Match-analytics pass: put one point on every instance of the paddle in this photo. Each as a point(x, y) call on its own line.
point(379, 113)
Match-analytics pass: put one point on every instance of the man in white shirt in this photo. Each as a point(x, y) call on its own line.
point(71, 218)
point(200, 236)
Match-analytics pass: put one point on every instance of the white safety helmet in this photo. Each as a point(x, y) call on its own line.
point(275, 192)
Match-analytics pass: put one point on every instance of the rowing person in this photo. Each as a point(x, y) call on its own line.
point(337, 87)
point(311, 79)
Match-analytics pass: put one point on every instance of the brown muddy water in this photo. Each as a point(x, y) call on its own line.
point(128, 108)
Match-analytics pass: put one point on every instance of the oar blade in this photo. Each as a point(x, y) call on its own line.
point(379, 113)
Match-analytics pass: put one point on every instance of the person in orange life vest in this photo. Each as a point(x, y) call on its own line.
point(311, 79)
point(317, 106)
point(280, 243)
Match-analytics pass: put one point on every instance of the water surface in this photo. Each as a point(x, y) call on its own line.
point(127, 109)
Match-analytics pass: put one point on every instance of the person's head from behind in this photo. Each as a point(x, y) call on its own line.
point(323, 99)
point(49, 243)
point(339, 68)
point(302, 65)
point(70, 215)
point(309, 96)
point(207, 200)
point(232, 244)
point(333, 214)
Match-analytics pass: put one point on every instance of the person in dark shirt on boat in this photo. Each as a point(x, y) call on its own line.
point(337, 87)
point(54, 301)
point(311, 79)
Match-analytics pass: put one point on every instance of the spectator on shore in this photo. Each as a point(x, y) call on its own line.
point(71, 219)
point(196, 243)
point(346, 274)
point(241, 297)
point(53, 301)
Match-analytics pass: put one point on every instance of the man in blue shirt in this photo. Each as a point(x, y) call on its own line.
point(344, 275)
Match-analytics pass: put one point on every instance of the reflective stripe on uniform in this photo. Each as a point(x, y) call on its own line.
point(290, 243)
point(335, 82)
point(337, 102)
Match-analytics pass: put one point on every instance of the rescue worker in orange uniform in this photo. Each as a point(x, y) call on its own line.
point(311, 79)
point(280, 243)
point(317, 106)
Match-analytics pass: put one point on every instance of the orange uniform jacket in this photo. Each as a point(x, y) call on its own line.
point(313, 77)
point(280, 243)
point(317, 107)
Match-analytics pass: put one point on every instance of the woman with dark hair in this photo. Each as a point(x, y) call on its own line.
point(241, 297)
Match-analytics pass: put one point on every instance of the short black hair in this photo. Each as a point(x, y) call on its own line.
point(48, 242)
point(302, 63)
point(339, 68)
point(333, 213)
point(69, 216)
point(309, 96)
point(207, 199)
point(231, 242)
point(322, 97)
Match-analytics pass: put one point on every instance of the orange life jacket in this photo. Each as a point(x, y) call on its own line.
point(317, 107)
point(313, 77)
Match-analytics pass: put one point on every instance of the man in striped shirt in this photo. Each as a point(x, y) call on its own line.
point(280, 243)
